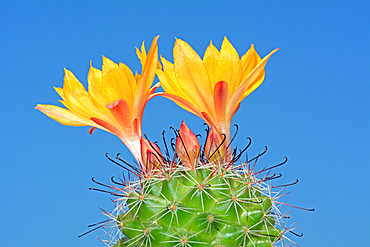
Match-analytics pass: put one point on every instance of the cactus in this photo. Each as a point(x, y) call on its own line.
point(202, 195)
point(199, 204)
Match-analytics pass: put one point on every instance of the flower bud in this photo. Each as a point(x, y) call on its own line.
point(151, 156)
point(214, 149)
point(187, 147)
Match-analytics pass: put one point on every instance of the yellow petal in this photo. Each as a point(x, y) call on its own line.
point(152, 93)
point(169, 70)
point(71, 84)
point(115, 82)
point(170, 86)
point(141, 55)
point(61, 94)
point(64, 116)
point(192, 76)
point(137, 76)
point(177, 97)
point(182, 103)
point(71, 87)
point(73, 104)
point(251, 82)
point(108, 64)
point(129, 74)
point(85, 105)
point(249, 61)
point(168, 80)
point(95, 85)
point(256, 83)
point(229, 68)
point(210, 61)
point(149, 69)
point(159, 65)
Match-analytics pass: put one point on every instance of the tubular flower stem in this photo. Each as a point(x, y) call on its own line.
point(213, 87)
point(115, 99)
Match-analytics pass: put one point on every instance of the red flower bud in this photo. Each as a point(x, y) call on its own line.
point(151, 156)
point(187, 147)
point(214, 150)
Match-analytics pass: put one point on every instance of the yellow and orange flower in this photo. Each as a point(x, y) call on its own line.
point(115, 99)
point(213, 87)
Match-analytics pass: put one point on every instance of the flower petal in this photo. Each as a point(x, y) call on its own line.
point(229, 67)
point(95, 85)
point(169, 83)
point(207, 119)
point(71, 88)
point(147, 76)
point(181, 102)
point(71, 84)
point(252, 82)
point(220, 97)
point(108, 127)
point(115, 83)
point(129, 74)
point(249, 61)
point(141, 54)
point(235, 110)
point(61, 94)
point(210, 61)
point(167, 77)
point(121, 113)
point(84, 104)
point(192, 76)
point(64, 116)
point(152, 90)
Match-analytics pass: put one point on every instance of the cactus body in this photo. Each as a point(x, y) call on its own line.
point(207, 206)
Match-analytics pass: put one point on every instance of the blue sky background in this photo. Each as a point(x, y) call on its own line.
point(313, 107)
